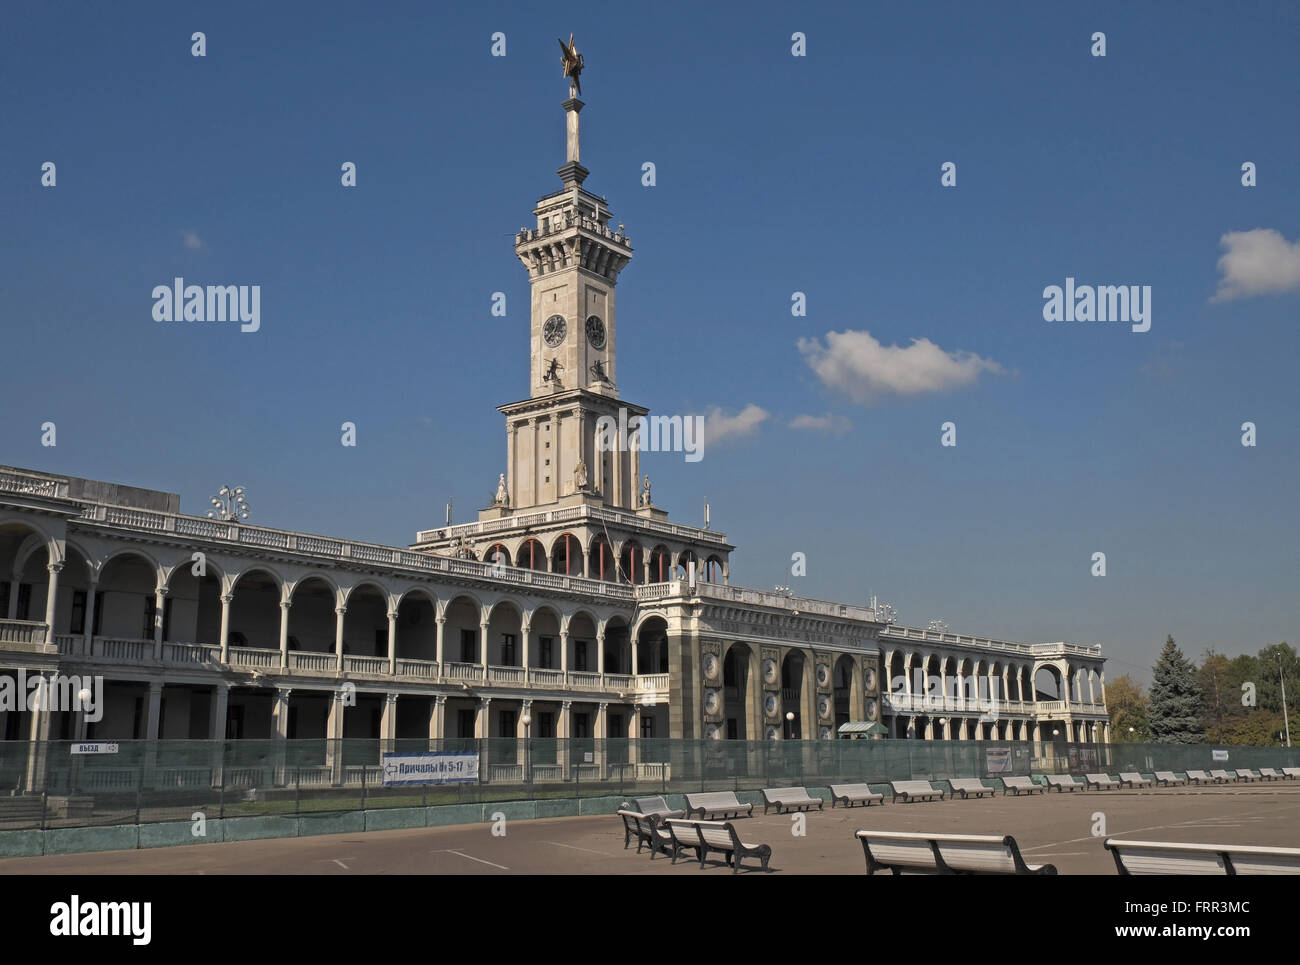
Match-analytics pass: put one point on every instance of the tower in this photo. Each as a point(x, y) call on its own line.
point(573, 259)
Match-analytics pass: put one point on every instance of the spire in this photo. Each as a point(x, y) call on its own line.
point(572, 172)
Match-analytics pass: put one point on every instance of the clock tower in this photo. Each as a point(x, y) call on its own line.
point(573, 259)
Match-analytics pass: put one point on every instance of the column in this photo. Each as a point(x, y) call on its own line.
point(338, 635)
point(388, 724)
point(91, 593)
point(51, 599)
point(525, 634)
point(522, 734)
point(280, 733)
point(437, 718)
point(226, 600)
point(154, 722)
point(334, 736)
point(442, 625)
point(562, 732)
point(929, 728)
point(284, 632)
point(564, 651)
point(600, 654)
point(392, 641)
point(483, 644)
point(636, 668)
point(947, 728)
point(217, 712)
point(602, 724)
point(482, 722)
point(159, 611)
point(39, 734)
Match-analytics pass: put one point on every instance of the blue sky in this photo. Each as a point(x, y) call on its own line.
point(775, 174)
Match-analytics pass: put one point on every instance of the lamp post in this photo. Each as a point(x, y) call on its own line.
point(789, 724)
point(229, 505)
point(1286, 723)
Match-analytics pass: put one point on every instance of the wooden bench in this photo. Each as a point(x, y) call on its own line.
point(1246, 774)
point(1102, 782)
point(1270, 774)
point(1171, 858)
point(1291, 773)
point(1223, 776)
point(720, 837)
point(645, 828)
point(1021, 785)
point(790, 798)
point(682, 836)
point(966, 786)
point(945, 854)
point(852, 794)
point(1200, 777)
point(1169, 778)
point(717, 804)
point(914, 790)
point(1064, 782)
point(656, 806)
point(1133, 779)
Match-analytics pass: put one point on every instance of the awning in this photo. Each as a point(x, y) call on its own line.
point(863, 727)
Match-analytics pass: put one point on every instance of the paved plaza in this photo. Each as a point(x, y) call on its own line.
point(1055, 828)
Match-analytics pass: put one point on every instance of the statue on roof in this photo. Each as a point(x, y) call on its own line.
point(572, 63)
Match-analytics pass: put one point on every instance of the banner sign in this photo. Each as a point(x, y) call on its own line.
point(431, 767)
point(998, 760)
point(94, 748)
point(1219, 755)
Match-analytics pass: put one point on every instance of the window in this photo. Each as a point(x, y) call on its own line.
point(98, 622)
point(546, 724)
point(78, 622)
point(648, 728)
point(150, 614)
point(506, 724)
point(167, 617)
point(4, 601)
point(581, 728)
point(465, 723)
point(580, 655)
point(468, 644)
point(24, 601)
point(508, 650)
point(547, 645)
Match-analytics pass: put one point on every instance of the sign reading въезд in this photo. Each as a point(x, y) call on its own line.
point(431, 767)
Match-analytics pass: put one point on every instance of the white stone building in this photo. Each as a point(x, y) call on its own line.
point(572, 608)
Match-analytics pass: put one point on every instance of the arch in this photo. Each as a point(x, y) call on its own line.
point(618, 646)
point(490, 554)
point(544, 622)
point(313, 618)
point(255, 596)
point(531, 555)
point(417, 625)
point(601, 562)
point(681, 569)
point(567, 556)
point(1053, 681)
point(582, 628)
point(661, 564)
point(150, 560)
point(794, 680)
point(192, 610)
point(505, 634)
point(427, 592)
point(713, 567)
point(740, 692)
point(652, 644)
point(846, 684)
point(463, 618)
point(631, 562)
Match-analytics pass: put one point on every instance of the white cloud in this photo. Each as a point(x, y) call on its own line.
point(718, 425)
point(857, 364)
point(191, 240)
point(835, 424)
point(1257, 262)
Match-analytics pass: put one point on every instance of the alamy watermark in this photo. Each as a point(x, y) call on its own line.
point(179, 302)
point(1100, 303)
point(656, 433)
point(53, 692)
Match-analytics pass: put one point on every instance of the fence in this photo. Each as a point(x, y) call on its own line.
point(47, 786)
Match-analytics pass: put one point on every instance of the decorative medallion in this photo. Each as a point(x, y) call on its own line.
point(770, 671)
point(869, 679)
point(823, 675)
point(871, 710)
point(825, 733)
point(713, 732)
point(770, 705)
point(824, 707)
point(709, 663)
point(712, 703)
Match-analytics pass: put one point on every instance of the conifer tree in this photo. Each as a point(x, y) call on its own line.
point(1176, 699)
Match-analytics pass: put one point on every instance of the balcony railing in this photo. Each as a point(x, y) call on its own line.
point(254, 658)
point(313, 662)
point(191, 654)
point(366, 665)
point(24, 636)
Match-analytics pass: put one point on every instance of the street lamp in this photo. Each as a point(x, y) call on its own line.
point(1286, 723)
point(527, 721)
point(229, 505)
point(789, 721)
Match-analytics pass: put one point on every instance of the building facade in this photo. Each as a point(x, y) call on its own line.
point(571, 608)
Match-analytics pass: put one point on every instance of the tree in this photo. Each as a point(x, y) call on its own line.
point(1259, 728)
point(1222, 708)
point(1176, 696)
point(1127, 704)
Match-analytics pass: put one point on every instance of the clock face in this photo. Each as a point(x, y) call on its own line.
point(554, 330)
point(595, 331)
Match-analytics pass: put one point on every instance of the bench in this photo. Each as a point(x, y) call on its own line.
point(1171, 858)
point(719, 836)
point(966, 786)
point(1200, 777)
point(1269, 774)
point(1246, 774)
point(1291, 773)
point(682, 836)
point(1169, 778)
point(717, 804)
point(790, 798)
point(1100, 781)
point(914, 790)
point(656, 806)
point(1064, 782)
point(945, 854)
point(1021, 785)
point(852, 794)
point(645, 828)
point(1223, 776)
point(1133, 779)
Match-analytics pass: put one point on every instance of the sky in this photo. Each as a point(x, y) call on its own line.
point(774, 174)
